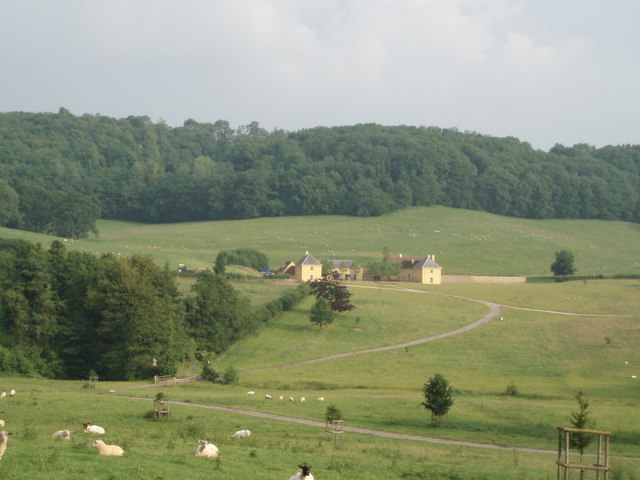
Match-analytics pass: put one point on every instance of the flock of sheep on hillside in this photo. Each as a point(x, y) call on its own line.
point(205, 448)
point(268, 396)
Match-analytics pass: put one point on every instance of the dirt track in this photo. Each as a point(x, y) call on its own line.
point(494, 311)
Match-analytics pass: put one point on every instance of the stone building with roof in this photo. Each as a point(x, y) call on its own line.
point(419, 270)
point(344, 270)
point(308, 268)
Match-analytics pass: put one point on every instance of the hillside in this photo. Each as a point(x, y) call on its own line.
point(464, 242)
point(60, 173)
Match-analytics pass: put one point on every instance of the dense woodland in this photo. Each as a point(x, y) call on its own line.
point(60, 172)
point(66, 313)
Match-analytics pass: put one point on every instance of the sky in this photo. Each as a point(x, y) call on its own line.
point(543, 71)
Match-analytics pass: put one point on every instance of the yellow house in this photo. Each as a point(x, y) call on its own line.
point(345, 270)
point(420, 270)
point(308, 268)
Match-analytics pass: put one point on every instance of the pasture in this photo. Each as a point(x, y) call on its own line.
point(552, 341)
point(548, 356)
point(463, 241)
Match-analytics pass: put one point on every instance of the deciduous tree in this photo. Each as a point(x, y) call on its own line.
point(438, 398)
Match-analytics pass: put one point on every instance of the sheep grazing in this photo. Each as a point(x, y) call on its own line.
point(302, 399)
point(321, 399)
point(251, 393)
point(12, 392)
point(3, 394)
point(291, 399)
point(206, 449)
point(4, 437)
point(242, 434)
point(280, 397)
point(305, 474)
point(88, 428)
point(268, 397)
point(1, 423)
point(107, 450)
point(62, 434)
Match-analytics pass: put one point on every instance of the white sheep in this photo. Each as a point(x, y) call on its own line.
point(12, 392)
point(321, 399)
point(1, 423)
point(251, 393)
point(281, 397)
point(291, 399)
point(3, 394)
point(305, 474)
point(267, 396)
point(206, 449)
point(88, 428)
point(242, 434)
point(302, 399)
point(63, 434)
point(4, 437)
point(107, 450)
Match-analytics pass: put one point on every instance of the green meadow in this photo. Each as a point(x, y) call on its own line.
point(547, 356)
point(463, 241)
point(550, 341)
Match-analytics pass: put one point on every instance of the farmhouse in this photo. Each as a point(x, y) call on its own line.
point(308, 268)
point(419, 270)
point(344, 270)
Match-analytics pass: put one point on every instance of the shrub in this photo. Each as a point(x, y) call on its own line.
point(512, 390)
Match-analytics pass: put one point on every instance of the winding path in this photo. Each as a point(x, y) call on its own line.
point(494, 311)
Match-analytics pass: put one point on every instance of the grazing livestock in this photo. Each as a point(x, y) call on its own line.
point(4, 437)
point(1, 423)
point(206, 449)
point(281, 397)
point(251, 393)
point(321, 399)
point(88, 428)
point(291, 399)
point(107, 450)
point(302, 399)
point(305, 474)
point(3, 394)
point(242, 434)
point(268, 397)
point(62, 434)
point(12, 392)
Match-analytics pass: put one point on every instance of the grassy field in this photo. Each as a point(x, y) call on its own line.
point(464, 242)
point(532, 345)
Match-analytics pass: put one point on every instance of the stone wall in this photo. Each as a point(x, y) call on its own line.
point(482, 279)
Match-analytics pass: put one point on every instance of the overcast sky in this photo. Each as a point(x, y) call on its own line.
point(545, 71)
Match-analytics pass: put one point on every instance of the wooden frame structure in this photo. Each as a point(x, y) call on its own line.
point(161, 409)
point(334, 429)
point(93, 381)
point(601, 465)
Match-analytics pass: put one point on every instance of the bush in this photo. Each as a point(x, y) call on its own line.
point(332, 413)
point(512, 390)
point(229, 377)
point(209, 373)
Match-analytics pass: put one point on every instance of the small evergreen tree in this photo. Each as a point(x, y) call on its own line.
point(438, 398)
point(581, 419)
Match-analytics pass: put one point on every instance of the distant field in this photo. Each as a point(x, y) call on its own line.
point(464, 242)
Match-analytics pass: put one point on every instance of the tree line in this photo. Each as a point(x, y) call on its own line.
point(59, 173)
point(66, 313)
